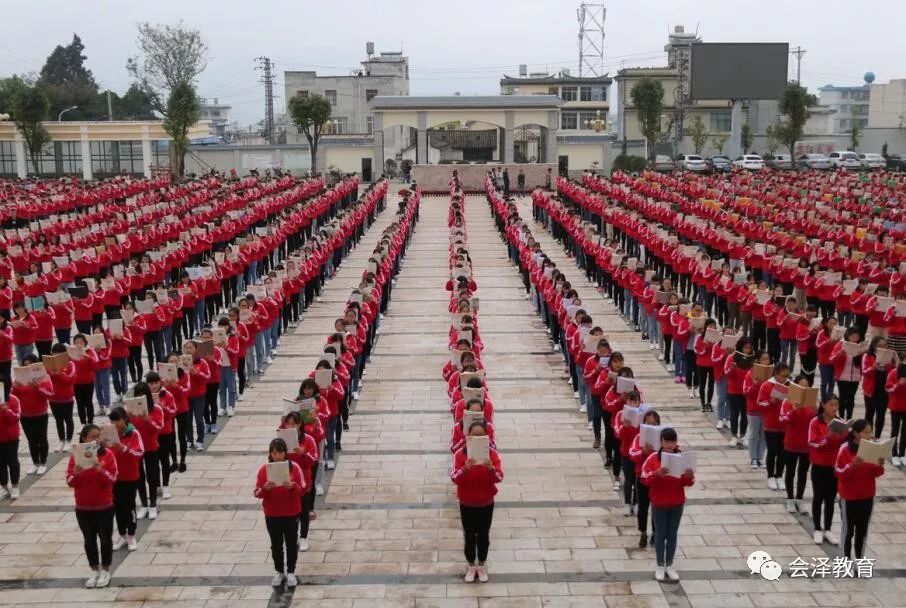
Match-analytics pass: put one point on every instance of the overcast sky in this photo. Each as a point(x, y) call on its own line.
point(460, 46)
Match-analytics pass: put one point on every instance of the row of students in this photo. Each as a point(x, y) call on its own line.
point(476, 477)
point(790, 438)
point(316, 417)
point(637, 468)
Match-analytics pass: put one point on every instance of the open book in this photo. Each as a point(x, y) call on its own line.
point(677, 464)
point(324, 378)
point(478, 448)
point(137, 406)
point(290, 436)
point(85, 454)
point(873, 451)
point(801, 396)
point(650, 435)
point(278, 472)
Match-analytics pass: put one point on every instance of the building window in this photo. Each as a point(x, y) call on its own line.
point(160, 152)
point(844, 124)
point(7, 159)
point(584, 93)
point(301, 93)
point(569, 93)
point(215, 113)
point(339, 125)
point(331, 96)
point(369, 93)
point(369, 124)
point(603, 93)
point(553, 91)
point(568, 120)
point(589, 117)
point(71, 157)
point(721, 121)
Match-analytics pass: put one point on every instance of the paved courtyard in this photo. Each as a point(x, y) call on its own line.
point(388, 533)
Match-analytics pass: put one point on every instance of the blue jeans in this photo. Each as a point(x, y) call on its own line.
point(23, 350)
point(788, 351)
point(827, 379)
point(120, 381)
point(227, 388)
point(584, 393)
point(666, 525)
point(275, 332)
point(251, 360)
point(654, 329)
point(199, 314)
point(757, 444)
point(102, 387)
point(331, 437)
point(262, 350)
point(679, 357)
point(723, 406)
point(167, 337)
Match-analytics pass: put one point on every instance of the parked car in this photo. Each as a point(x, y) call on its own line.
point(719, 164)
point(752, 162)
point(691, 162)
point(843, 159)
point(871, 161)
point(781, 161)
point(663, 163)
point(896, 162)
point(814, 161)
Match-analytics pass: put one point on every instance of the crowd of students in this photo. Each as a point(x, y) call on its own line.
point(476, 469)
point(255, 288)
point(735, 326)
point(311, 428)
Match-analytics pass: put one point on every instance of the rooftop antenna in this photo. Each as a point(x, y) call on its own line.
point(591, 38)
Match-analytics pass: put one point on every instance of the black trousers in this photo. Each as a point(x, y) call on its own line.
point(856, 515)
point(739, 422)
point(165, 451)
point(824, 493)
point(149, 479)
point(774, 457)
point(124, 505)
point(84, 397)
point(797, 464)
point(35, 428)
point(308, 504)
point(9, 463)
point(97, 529)
point(136, 371)
point(705, 385)
point(62, 416)
point(641, 511)
point(283, 533)
point(182, 424)
point(898, 433)
point(476, 530)
point(210, 402)
point(876, 410)
point(241, 374)
point(847, 396)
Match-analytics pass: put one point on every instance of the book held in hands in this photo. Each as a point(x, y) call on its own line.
point(290, 436)
point(324, 378)
point(85, 454)
point(478, 448)
point(801, 396)
point(137, 406)
point(679, 462)
point(650, 436)
point(873, 451)
point(278, 472)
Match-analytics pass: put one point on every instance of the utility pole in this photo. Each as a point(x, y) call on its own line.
point(798, 52)
point(591, 38)
point(109, 106)
point(267, 78)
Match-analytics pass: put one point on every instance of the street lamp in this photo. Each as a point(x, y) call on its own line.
point(60, 116)
point(598, 124)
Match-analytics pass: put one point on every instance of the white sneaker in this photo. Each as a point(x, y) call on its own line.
point(818, 537)
point(576, 394)
point(14, 493)
point(199, 446)
point(755, 465)
point(659, 574)
point(719, 425)
point(745, 441)
point(303, 545)
point(616, 484)
point(630, 511)
point(67, 447)
point(356, 395)
point(142, 513)
point(32, 470)
point(471, 573)
point(691, 393)
point(896, 461)
point(240, 398)
point(582, 409)
point(277, 580)
point(772, 483)
point(591, 425)
point(119, 398)
point(166, 493)
point(733, 442)
point(152, 513)
point(231, 412)
point(651, 347)
point(269, 360)
point(119, 543)
point(672, 574)
point(660, 357)
point(790, 506)
point(482, 572)
point(59, 448)
point(670, 367)
point(830, 538)
point(364, 372)
point(291, 580)
point(42, 469)
point(556, 348)
point(103, 579)
point(331, 465)
point(92, 581)
point(319, 490)
point(131, 543)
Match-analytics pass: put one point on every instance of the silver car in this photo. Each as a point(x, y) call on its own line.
point(663, 163)
point(814, 161)
point(691, 162)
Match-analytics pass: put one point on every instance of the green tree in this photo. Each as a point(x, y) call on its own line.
point(747, 138)
point(771, 135)
point(854, 133)
point(310, 114)
point(67, 82)
point(719, 141)
point(30, 107)
point(794, 105)
point(182, 113)
point(171, 55)
point(9, 88)
point(134, 105)
point(699, 134)
point(648, 98)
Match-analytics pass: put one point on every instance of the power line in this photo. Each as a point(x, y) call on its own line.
point(798, 52)
point(268, 80)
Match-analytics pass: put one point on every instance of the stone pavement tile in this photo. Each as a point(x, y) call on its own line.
point(510, 602)
point(449, 602)
point(721, 600)
point(850, 600)
point(782, 600)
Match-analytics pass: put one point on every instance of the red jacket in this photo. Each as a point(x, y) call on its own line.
point(896, 392)
point(769, 406)
point(796, 423)
point(477, 486)
point(33, 397)
point(306, 458)
point(9, 420)
point(129, 459)
point(665, 490)
point(870, 374)
point(280, 501)
point(200, 374)
point(85, 367)
point(93, 488)
point(822, 444)
point(855, 481)
point(149, 427)
point(63, 384)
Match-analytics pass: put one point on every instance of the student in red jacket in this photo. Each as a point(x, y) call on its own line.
point(306, 455)
point(823, 445)
point(668, 495)
point(6, 355)
point(476, 486)
point(847, 371)
point(625, 434)
point(736, 367)
point(10, 411)
point(128, 451)
point(93, 490)
point(704, 366)
point(795, 420)
point(25, 329)
point(771, 395)
point(33, 399)
point(874, 374)
point(84, 378)
point(166, 438)
point(857, 488)
point(63, 399)
point(639, 453)
point(182, 422)
point(896, 392)
point(282, 505)
point(149, 428)
point(198, 376)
